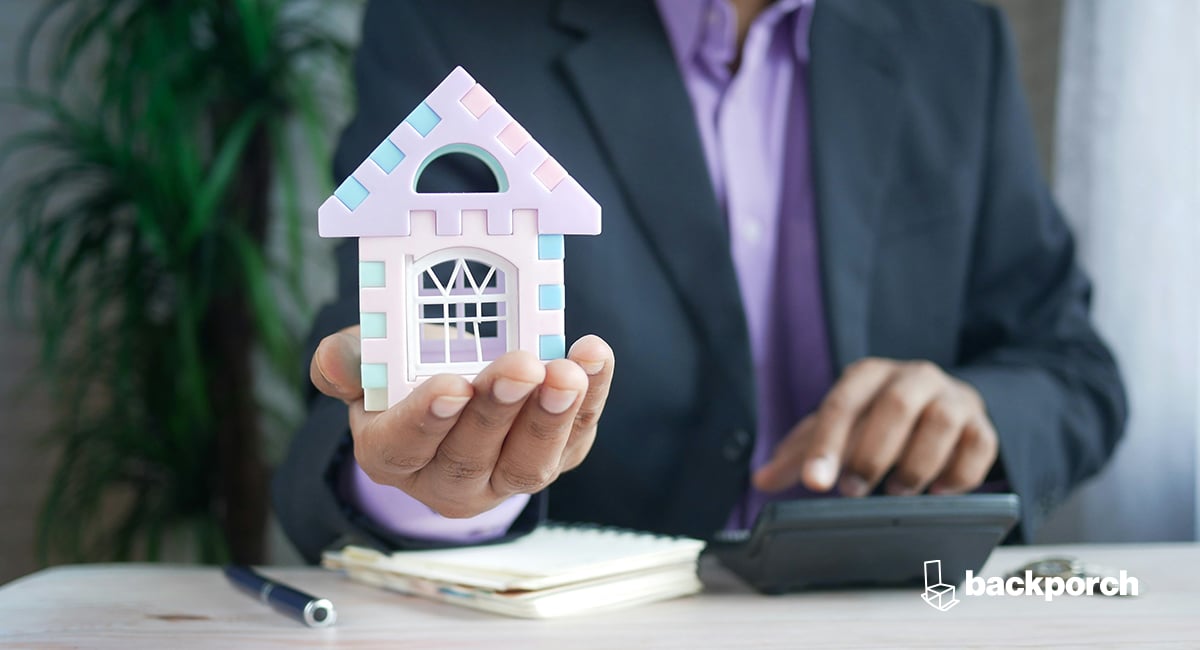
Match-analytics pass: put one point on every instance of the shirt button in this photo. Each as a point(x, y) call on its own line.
point(736, 445)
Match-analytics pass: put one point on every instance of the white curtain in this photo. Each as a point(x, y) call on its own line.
point(1128, 176)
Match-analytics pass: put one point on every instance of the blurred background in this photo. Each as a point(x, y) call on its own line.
point(117, 344)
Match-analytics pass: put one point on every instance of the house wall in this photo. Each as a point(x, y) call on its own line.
point(538, 262)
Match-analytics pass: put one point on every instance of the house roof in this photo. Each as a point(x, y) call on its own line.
point(458, 116)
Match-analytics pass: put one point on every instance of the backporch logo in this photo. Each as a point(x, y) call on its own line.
point(938, 594)
point(942, 596)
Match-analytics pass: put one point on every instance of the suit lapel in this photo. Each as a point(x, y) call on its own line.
point(854, 93)
point(856, 83)
point(625, 76)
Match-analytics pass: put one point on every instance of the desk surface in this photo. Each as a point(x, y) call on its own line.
point(134, 606)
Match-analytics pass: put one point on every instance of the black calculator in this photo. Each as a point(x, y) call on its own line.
point(881, 541)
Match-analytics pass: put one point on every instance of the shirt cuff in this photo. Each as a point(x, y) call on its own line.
point(398, 513)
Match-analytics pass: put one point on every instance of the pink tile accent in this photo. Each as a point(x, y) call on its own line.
point(550, 173)
point(514, 138)
point(477, 100)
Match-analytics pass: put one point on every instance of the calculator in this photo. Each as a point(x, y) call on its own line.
point(880, 541)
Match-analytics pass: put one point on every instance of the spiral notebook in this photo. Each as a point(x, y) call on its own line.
point(557, 570)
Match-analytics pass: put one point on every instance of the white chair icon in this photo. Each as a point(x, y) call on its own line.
point(938, 594)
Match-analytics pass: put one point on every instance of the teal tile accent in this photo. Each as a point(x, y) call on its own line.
point(371, 274)
point(387, 156)
point(351, 193)
point(550, 247)
point(423, 119)
point(552, 346)
point(373, 324)
point(374, 375)
point(551, 296)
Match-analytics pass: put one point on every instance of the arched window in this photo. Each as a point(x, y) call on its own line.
point(457, 173)
point(464, 309)
point(480, 155)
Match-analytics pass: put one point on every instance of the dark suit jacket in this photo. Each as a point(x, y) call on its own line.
point(939, 241)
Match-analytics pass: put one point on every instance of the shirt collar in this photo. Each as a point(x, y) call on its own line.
point(705, 29)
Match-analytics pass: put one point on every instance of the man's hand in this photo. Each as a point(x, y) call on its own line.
point(927, 428)
point(462, 447)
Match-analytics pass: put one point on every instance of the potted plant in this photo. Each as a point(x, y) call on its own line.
point(143, 226)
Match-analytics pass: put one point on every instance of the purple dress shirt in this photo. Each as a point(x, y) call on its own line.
point(753, 125)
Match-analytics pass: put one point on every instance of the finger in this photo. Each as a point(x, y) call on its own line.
point(887, 425)
point(973, 457)
point(787, 467)
point(336, 365)
point(930, 446)
point(466, 457)
point(391, 446)
point(596, 359)
point(837, 415)
point(529, 459)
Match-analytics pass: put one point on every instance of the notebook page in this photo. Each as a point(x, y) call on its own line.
point(550, 556)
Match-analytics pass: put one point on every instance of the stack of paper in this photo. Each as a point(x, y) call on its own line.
point(554, 571)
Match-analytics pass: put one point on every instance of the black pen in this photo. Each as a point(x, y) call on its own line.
point(310, 610)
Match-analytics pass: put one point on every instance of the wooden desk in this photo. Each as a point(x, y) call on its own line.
point(136, 606)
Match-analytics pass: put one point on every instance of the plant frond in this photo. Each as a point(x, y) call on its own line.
point(160, 139)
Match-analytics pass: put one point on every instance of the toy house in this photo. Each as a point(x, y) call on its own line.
point(449, 282)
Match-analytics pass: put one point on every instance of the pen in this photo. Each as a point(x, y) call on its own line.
point(310, 610)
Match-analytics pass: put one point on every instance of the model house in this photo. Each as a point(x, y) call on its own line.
point(449, 282)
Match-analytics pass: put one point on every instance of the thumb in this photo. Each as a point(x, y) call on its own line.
point(336, 365)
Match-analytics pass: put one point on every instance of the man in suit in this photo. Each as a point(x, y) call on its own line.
point(829, 265)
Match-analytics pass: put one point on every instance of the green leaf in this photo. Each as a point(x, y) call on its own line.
point(264, 308)
point(31, 35)
point(222, 172)
point(294, 220)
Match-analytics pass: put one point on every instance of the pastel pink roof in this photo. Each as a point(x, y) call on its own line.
point(376, 201)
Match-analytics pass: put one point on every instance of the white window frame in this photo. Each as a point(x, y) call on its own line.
point(416, 302)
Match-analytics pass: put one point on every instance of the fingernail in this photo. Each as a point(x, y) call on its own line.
point(509, 391)
point(900, 490)
point(853, 485)
point(591, 367)
point(556, 400)
point(822, 471)
point(448, 406)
